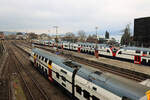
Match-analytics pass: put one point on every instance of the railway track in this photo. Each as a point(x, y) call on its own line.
point(133, 75)
point(53, 91)
point(34, 90)
point(5, 86)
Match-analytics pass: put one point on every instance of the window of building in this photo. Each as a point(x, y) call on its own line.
point(63, 78)
point(86, 94)
point(95, 98)
point(57, 75)
point(78, 89)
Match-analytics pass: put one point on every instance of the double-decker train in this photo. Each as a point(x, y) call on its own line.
point(134, 54)
point(82, 83)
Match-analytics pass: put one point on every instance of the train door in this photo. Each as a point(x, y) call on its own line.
point(50, 70)
point(35, 57)
point(137, 59)
point(79, 49)
point(148, 95)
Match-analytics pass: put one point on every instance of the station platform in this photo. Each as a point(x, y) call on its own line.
point(121, 64)
point(117, 63)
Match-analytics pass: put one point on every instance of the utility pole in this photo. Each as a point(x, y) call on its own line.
point(96, 48)
point(96, 36)
point(56, 27)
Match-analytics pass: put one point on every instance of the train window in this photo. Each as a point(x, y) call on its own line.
point(63, 78)
point(125, 98)
point(50, 62)
point(95, 98)
point(144, 52)
point(98, 73)
point(78, 89)
point(137, 51)
point(63, 84)
point(63, 71)
point(94, 88)
point(120, 52)
point(46, 71)
point(42, 58)
point(57, 75)
point(42, 68)
point(46, 60)
point(108, 51)
point(86, 94)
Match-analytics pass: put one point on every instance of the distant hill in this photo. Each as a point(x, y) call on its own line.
point(9, 32)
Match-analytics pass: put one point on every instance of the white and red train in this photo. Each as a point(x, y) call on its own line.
point(134, 54)
point(86, 84)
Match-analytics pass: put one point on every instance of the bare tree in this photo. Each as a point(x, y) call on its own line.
point(92, 39)
point(32, 35)
point(81, 36)
point(19, 33)
point(69, 36)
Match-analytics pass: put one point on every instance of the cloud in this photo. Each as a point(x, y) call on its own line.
point(71, 15)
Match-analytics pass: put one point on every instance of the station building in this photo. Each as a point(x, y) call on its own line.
point(142, 31)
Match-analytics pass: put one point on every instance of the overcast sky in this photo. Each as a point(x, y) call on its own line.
point(71, 15)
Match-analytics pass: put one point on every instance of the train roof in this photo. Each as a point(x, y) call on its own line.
point(136, 48)
point(104, 45)
point(115, 84)
point(64, 63)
